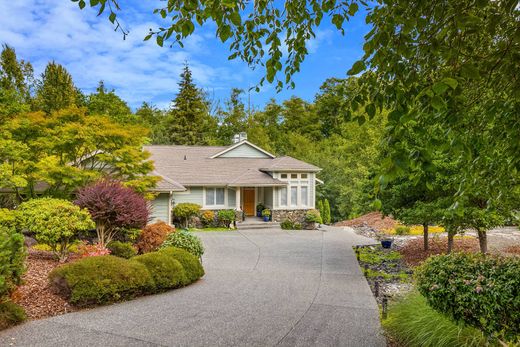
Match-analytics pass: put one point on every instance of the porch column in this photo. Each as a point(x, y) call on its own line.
point(237, 199)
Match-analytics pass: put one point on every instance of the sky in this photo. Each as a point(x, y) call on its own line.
point(90, 49)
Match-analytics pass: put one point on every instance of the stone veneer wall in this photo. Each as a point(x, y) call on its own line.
point(292, 215)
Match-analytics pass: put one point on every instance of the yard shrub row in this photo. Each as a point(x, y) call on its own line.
point(106, 279)
point(479, 290)
point(185, 212)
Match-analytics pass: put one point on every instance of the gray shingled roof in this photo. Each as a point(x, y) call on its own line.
point(192, 165)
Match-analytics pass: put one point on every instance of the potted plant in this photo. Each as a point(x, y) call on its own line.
point(266, 213)
point(259, 208)
point(386, 242)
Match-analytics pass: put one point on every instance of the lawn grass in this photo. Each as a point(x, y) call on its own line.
point(412, 323)
point(209, 230)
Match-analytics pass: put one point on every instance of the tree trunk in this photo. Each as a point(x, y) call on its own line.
point(451, 235)
point(482, 240)
point(101, 234)
point(425, 236)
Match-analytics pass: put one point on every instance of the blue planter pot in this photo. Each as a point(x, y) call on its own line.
point(266, 218)
point(386, 243)
point(259, 213)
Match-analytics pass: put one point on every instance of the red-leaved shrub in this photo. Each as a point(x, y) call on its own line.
point(113, 207)
point(92, 250)
point(152, 236)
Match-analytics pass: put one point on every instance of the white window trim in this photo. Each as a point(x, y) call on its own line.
point(298, 183)
point(214, 207)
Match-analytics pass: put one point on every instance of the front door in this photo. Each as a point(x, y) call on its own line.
point(249, 201)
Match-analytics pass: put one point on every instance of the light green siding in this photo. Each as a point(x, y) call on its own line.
point(193, 195)
point(160, 208)
point(244, 151)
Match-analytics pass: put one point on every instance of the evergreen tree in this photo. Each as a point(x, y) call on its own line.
point(153, 118)
point(56, 90)
point(320, 208)
point(233, 120)
point(189, 121)
point(105, 102)
point(326, 212)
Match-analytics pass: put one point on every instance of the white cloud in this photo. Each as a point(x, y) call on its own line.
point(88, 47)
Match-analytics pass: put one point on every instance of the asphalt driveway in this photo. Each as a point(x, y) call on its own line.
point(261, 288)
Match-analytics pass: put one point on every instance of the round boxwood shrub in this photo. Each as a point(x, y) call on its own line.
point(185, 240)
point(478, 290)
point(10, 314)
point(313, 216)
point(101, 280)
point(166, 271)
point(189, 262)
point(122, 249)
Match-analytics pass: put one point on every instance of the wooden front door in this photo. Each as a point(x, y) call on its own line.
point(249, 201)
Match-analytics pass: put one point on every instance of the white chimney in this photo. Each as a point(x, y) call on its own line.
point(239, 137)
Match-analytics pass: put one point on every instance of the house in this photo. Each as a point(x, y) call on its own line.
point(236, 177)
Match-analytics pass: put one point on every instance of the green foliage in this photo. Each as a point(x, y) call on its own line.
point(226, 217)
point(122, 249)
point(326, 212)
point(191, 264)
point(319, 207)
point(411, 322)
point(101, 280)
point(266, 212)
point(185, 240)
point(10, 314)
point(12, 253)
point(402, 230)
point(185, 210)
point(233, 119)
point(107, 103)
point(207, 218)
point(54, 222)
point(290, 225)
point(165, 270)
point(375, 256)
point(477, 290)
point(313, 216)
point(260, 207)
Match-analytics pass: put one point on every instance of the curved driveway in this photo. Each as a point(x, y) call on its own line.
point(261, 288)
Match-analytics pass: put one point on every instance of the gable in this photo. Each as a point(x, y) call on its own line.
point(244, 150)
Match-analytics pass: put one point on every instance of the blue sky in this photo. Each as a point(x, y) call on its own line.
point(44, 30)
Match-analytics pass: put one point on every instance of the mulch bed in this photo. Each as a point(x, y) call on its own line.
point(35, 295)
point(414, 254)
point(512, 250)
point(374, 220)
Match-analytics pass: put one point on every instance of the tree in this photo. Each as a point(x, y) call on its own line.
point(232, 120)
point(189, 122)
point(320, 207)
point(56, 90)
point(326, 212)
point(54, 222)
point(57, 153)
point(107, 103)
point(154, 119)
point(113, 208)
point(12, 253)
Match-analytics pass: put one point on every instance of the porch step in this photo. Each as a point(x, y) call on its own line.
point(256, 225)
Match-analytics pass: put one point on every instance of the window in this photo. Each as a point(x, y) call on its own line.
point(215, 196)
point(294, 196)
point(303, 176)
point(283, 176)
point(283, 196)
point(304, 195)
point(293, 176)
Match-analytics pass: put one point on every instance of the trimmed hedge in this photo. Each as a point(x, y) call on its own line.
point(101, 280)
point(11, 314)
point(166, 271)
point(189, 262)
point(476, 289)
point(185, 240)
point(122, 249)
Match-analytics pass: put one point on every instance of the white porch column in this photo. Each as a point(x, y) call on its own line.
point(237, 199)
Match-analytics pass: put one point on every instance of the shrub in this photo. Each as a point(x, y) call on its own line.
point(122, 249)
point(286, 225)
point(313, 216)
point(113, 207)
point(402, 230)
point(166, 271)
point(226, 217)
point(54, 222)
point(411, 322)
point(153, 236)
point(10, 314)
point(92, 250)
point(191, 264)
point(297, 226)
point(482, 291)
point(266, 212)
point(260, 207)
point(184, 211)
point(185, 240)
point(320, 207)
point(208, 218)
point(12, 254)
point(100, 280)
point(326, 212)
